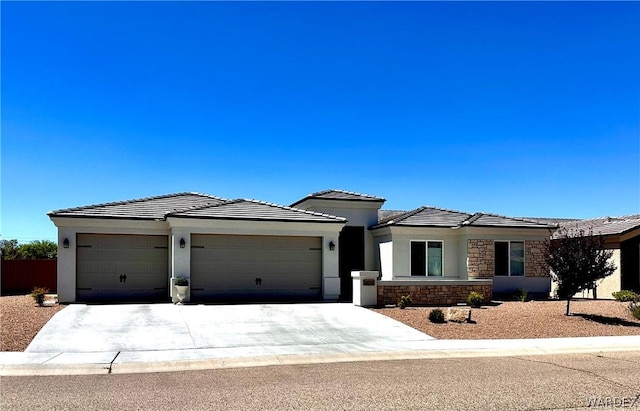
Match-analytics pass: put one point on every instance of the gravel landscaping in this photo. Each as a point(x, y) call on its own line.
point(21, 319)
point(532, 319)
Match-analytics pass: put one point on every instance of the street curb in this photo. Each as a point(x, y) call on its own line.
point(483, 348)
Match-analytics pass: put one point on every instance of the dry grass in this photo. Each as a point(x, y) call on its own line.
point(21, 319)
point(533, 319)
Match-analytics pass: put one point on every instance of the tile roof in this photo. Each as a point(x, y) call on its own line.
point(149, 208)
point(439, 217)
point(603, 225)
point(254, 210)
point(341, 195)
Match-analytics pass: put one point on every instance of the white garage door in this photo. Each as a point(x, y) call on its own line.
point(256, 267)
point(122, 267)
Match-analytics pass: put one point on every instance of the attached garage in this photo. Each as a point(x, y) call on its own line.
point(122, 267)
point(255, 267)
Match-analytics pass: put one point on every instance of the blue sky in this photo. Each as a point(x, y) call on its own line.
point(515, 108)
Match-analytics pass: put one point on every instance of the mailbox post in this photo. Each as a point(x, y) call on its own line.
point(365, 288)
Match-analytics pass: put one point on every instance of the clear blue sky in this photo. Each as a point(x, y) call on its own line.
point(516, 108)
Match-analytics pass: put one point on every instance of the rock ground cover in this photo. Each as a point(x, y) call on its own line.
point(532, 319)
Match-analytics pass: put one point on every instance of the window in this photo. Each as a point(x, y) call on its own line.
point(426, 258)
point(509, 258)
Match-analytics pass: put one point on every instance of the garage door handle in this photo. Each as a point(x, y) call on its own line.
point(258, 281)
point(123, 278)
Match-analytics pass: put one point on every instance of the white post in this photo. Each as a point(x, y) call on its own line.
point(365, 288)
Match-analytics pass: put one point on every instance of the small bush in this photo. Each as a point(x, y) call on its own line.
point(404, 301)
point(522, 294)
point(436, 316)
point(625, 296)
point(38, 295)
point(181, 281)
point(634, 307)
point(475, 299)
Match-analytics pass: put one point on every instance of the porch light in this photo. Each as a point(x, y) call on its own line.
point(182, 243)
point(332, 245)
point(65, 242)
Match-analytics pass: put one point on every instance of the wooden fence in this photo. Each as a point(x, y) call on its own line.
point(21, 276)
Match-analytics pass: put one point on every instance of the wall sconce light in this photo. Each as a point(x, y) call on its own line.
point(182, 243)
point(65, 242)
point(332, 245)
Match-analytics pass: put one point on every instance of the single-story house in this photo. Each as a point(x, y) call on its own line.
point(622, 237)
point(248, 249)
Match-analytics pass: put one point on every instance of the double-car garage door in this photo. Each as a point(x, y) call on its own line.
point(223, 267)
point(232, 267)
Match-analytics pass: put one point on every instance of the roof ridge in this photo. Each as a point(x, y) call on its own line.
point(337, 190)
point(399, 217)
point(480, 214)
point(130, 201)
point(203, 206)
point(284, 207)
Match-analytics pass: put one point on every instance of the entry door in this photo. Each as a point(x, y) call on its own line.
point(351, 256)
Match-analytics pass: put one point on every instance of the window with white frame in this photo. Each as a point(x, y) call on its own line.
point(426, 258)
point(509, 258)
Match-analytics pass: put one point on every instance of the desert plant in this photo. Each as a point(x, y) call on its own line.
point(522, 294)
point(634, 308)
point(404, 301)
point(626, 296)
point(38, 295)
point(436, 316)
point(181, 281)
point(475, 299)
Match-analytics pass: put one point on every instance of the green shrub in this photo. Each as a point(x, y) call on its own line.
point(181, 281)
point(475, 299)
point(634, 307)
point(522, 294)
point(38, 295)
point(625, 296)
point(404, 301)
point(436, 316)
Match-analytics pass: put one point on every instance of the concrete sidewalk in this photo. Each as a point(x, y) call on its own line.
point(114, 362)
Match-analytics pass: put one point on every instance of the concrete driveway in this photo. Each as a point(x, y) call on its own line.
point(222, 330)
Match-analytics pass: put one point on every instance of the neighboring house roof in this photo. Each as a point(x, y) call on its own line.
point(340, 195)
point(439, 217)
point(149, 208)
point(254, 210)
point(603, 225)
point(194, 205)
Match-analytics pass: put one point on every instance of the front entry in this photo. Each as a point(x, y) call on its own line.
point(351, 258)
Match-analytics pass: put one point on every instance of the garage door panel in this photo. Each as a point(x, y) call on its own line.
point(227, 266)
point(104, 260)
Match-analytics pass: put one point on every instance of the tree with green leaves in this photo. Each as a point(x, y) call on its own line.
point(35, 250)
point(577, 260)
point(9, 249)
point(39, 250)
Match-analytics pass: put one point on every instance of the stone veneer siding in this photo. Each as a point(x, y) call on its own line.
point(480, 258)
point(535, 264)
point(431, 294)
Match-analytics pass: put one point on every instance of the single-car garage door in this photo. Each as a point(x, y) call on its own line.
point(122, 267)
point(231, 267)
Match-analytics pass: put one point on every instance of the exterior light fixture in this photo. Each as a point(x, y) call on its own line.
point(332, 245)
point(182, 243)
point(65, 242)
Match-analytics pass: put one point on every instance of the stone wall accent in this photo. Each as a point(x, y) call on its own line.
point(534, 259)
point(480, 258)
point(435, 294)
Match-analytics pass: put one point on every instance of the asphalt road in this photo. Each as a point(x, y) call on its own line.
point(572, 381)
